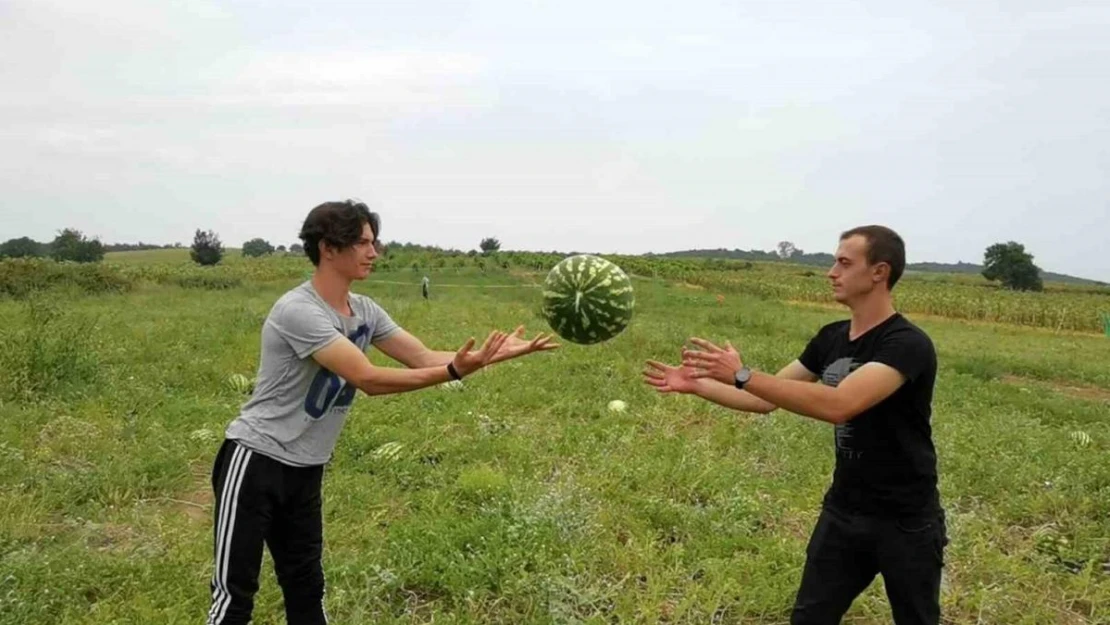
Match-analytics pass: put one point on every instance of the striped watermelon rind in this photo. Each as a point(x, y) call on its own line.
point(587, 299)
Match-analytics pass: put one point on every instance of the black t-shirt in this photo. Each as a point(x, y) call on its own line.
point(886, 464)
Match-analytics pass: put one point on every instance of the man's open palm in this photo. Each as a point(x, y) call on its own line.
point(668, 379)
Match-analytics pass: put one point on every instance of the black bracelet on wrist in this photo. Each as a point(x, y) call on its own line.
point(453, 371)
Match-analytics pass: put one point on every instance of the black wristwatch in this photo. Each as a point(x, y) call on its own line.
point(453, 372)
point(742, 376)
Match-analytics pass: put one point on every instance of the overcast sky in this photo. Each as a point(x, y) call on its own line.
point(595, 126)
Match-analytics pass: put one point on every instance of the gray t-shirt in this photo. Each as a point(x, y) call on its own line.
point(298, 408)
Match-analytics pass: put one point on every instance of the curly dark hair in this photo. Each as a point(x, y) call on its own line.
point(339, 225)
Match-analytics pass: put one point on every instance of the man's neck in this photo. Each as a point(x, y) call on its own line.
point(870, 313)
point(332, 288)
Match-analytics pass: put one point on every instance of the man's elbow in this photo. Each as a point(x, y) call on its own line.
point(369, 382)
point(840, 412)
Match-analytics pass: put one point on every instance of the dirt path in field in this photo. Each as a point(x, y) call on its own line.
point(1092, 393)
point(196, 502)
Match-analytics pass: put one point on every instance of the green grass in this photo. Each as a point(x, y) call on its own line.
point(520, 498)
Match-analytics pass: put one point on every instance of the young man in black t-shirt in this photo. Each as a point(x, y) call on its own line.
point(882, 513)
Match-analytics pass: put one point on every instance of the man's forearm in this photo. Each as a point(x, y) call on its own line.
point(433, 358)
point(731, 397)
point(810, 400)
point(385, 380)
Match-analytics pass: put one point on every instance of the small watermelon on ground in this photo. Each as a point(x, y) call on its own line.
point(587, 299)
point(240, 383)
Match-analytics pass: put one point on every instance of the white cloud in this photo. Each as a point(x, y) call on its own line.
point(349, 68)
point(631, 48)
point(77, 138)
point(695, 40)
point(394, 78)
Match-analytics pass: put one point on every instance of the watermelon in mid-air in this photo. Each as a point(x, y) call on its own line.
point(587, 299)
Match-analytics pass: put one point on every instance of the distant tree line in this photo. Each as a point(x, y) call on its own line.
point(74, 246)
point(69, 245)
point(1007, 263)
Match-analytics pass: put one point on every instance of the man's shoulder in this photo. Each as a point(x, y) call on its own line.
point(905, 329)
point(824, 341)
point(834, 327)
point(366, 306)
point(297, 299)
point(903, 341)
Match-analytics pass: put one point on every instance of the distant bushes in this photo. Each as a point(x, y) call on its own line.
point(22, 277)
point(211, 282)
point(19, 277)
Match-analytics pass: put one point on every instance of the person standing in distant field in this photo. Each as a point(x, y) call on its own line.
point(268, 472)
point(424, 287)
point(882, 513)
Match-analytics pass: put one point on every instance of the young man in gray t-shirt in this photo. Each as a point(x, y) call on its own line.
point(267, 474)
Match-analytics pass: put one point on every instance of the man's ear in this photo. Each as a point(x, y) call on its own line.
point(880, 272)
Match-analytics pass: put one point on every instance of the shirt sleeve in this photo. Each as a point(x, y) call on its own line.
point(813, 356)
point(304, 326)
point(379, 320)
point(911, 353)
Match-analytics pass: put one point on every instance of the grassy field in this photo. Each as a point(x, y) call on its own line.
point(1061, 307)
point(520, 498)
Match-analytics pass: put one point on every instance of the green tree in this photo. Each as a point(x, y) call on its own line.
point(257, 247)
point(1011, 265)
point(206, 248)
point(490, 245)
point(72, 245)
point(787, 249)
point(21, 248)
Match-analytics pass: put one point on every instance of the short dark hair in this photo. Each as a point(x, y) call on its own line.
point(338, 224)
point(883, 246)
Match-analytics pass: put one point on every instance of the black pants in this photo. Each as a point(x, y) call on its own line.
point(258, 500)
point(845, 553)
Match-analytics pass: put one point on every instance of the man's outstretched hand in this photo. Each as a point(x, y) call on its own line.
point(711, 361)
point(468, 361)
point(516, 345)
point(668, 379)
